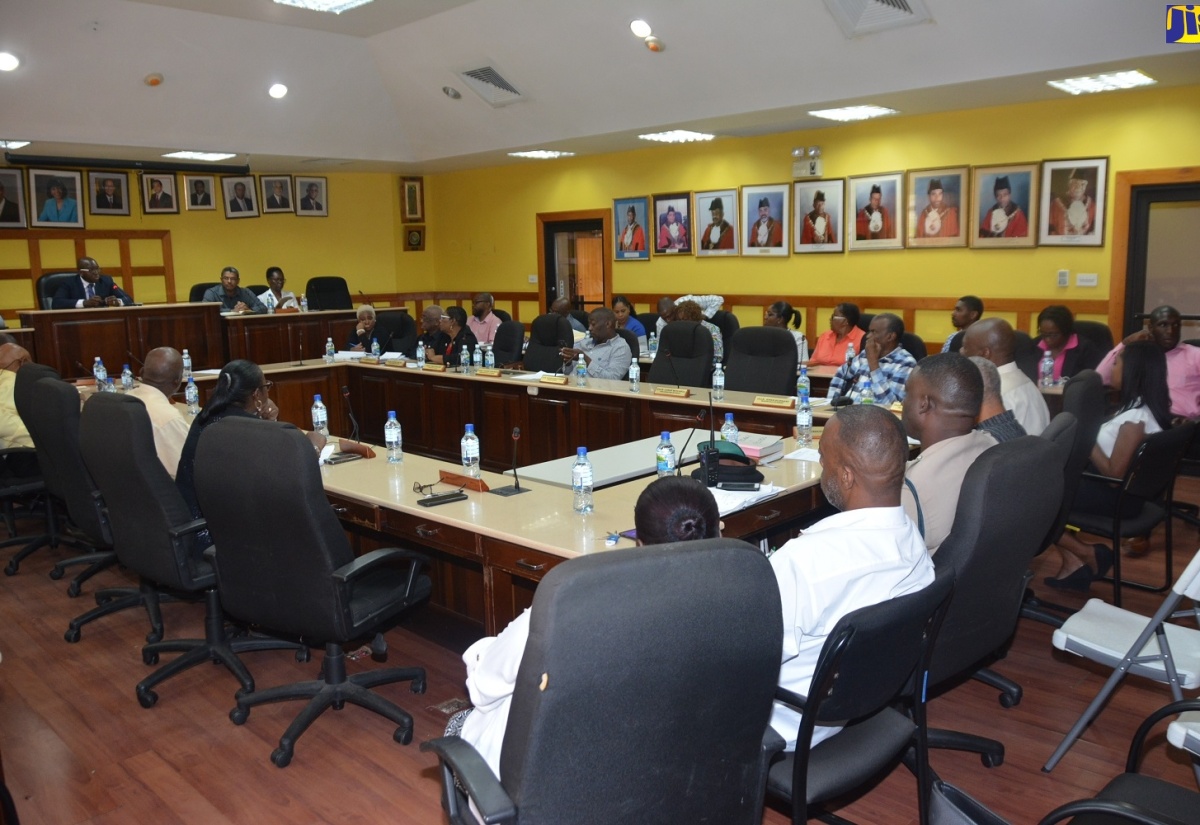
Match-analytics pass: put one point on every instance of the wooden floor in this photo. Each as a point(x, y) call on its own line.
point(78, 748)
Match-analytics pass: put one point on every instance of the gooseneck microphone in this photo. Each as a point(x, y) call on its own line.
point(515, 487)
point(350, 412)
point(300, 360)
point(83, 373)
point(135, 359)
point(700, 416)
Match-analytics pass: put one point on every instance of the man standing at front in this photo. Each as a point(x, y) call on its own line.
point(605, 353)
point(993, 339)
point(766, 231)
point(866, 554)
point(873, 222)
point(162, 374)
point(882, 364)
point(1183, 360)
point(938, 219)
point(719, 232)
point(483, 322)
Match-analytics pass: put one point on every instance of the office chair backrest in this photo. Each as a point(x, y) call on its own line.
point(548, 334)
point(510, 336)
point(258, 289)
point(685, 355)
point(956, 341)
point(403, 329)
point(27, 378)
point(1063, 433)
point(634, 348)
point(729, 324)
point(581, 316)
point(196, 294)
point(864, 320)
point(1152, 471)
point(328, 292)
point(1096, 332)
point(48, 284)
point(501, 314)
point(271, 522)
point(762, 360)
point(649, 321)
point(1007, 504)
point(610, 723)
point(914, 344)
point(1026, 354)
point(1083, 397)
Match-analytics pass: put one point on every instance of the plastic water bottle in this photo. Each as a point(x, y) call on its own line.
point(849, 352)
point(100, 373)
point(269, 300)
point(581, 481)
point(464, 360)
point(804, 420)
point(374, 347)
point(867, 396)
point(187, 365)
point(320, 416)
point(718, 382)
point(420, 356)
point(580, 372)
point(477, 357)
point(652, 345)
point(635, 376)
point(109, 386)
point(192, 396)
point(330, 350)
point(393, 439)
point(469, 447)
point(729, 430)
point(304, 303)
point(126, 378)
point(803, 349)
point(664, 456)
point(1047, 370)
point(803, 385)
point(489, 358)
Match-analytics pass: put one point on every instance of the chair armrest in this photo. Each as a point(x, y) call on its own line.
point(1139, 737)
point(460, 760)
point(369, 561)
point(1101, 477)
point(1121, 810)
point(194, 526)
point(794, 700)
point(210, 554)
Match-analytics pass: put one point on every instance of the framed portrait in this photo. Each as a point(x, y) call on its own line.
point(312, 197)
point(672, 225)
point(629, 218)
point(1073, 196)
point(275, 194)
point(200, 190)
point(237, 192)
point(765, 215)
point(717, 213)
point(12, 199)
point(873, 216)
point(158, 194)
point(412, 199)
point(108, 193)
point(937, 202)
point(1005, 198)
point(54, 198)
point(414, 238)
point(818, 208)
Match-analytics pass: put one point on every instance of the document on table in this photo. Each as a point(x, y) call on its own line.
point(730, 501)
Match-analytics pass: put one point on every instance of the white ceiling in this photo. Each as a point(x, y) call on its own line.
point(365, 86)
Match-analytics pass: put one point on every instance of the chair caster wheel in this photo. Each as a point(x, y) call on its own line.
point(338, 705)
point(147, 698)
point(72, 635)
point(11, 568)
point(73, 590)
point(149, 658)
point(281, 758)
point(153, 636)
point(239, 715)
point(418, 685)
point(1007, 700)
point(991, 760)
point(56, 573)
point(403, 735)
point(303, 655)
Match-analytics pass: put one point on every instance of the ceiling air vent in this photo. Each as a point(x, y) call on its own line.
point(491, 86)
point(859, 17)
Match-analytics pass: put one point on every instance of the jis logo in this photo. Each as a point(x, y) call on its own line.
point(1183, 24)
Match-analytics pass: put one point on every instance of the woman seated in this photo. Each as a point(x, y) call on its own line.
point(1140, 373)
point(282, 298)
point(691, 311)
point(843, 332)
point(779, 314)
point(454, 325)
point(670, 509)
point(368, 330)
point(1056, 334)
point(623, 309)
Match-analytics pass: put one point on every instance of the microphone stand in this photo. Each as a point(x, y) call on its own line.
point(300, 361)
point(679, 464)
point(350, 412)
point(515, 488)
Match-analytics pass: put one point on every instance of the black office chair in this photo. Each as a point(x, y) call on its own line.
point(728, 323)
point(328, 292)
point(295, 573)
point(581, 316)
point(258, 289)
point(501, 314)
point(956, 341)
point(649, 321)
point(761, 360)
point(864, 320)
point(548, 334)
point(196, 294)
point(510, 336)
point(914, 344)
point(653, 728)
point(634, 348)
point(1096, 332)
point(48, 284)
point(403, 330)
point(1026, 354)
point(874, 659)
point(685, 355)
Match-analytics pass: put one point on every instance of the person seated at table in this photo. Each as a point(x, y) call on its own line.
point(13, 432)
point(882, 364)
point(691, 311)
point(1139, 371)
point(622, 307)
point(1001, 423)
point(456, 335)
point(993, 339)
point(779, 314)
point(1183, 360)
point(231, 296)
point(367, 331)
point(709, 304)
point(283, 299)
point(91, 289)
point(606, 354)
point(432, 337)
point(843, 330)
point(483, 323)
point(562, 306)
point(1056, 334)
point(162, 373)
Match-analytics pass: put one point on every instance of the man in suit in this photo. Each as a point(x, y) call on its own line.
point(108, 197)
point(309, 201)
point(91, 289)
point(279, 197)
point(158, 198)
point(239, 202)
point(8, 209)
point(200, 195)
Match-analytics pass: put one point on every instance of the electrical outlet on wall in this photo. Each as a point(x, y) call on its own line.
point(1064, 277)
point(1087, 279)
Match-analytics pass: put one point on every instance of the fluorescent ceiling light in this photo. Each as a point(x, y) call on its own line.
point(640, 28)
point(541, 154)
point(8, 62)
point(1111, 82)
point(277, 91)
point(332, 6)
point(212, 157)
point(13, 144)
point(849, 113)
point(677, 136)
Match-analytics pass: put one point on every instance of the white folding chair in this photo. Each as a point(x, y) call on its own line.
point(1128, 642)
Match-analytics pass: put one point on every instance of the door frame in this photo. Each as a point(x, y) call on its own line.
point(602, 215)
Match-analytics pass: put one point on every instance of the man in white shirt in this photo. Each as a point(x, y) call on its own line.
point(483, 322)
point(709, 304)
point(993, 339)
point(162, 373)
point(868, 553)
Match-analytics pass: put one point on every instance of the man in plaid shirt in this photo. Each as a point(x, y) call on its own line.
point(882, 362)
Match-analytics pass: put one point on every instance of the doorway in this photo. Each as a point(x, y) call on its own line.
point(572, 257)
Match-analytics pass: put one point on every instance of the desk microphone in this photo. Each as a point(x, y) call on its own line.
point(671, 364)
point(700, 416)
point(135, 359)
point(515, 487)
point(83, 373)
point(562, 369)
point(350, 412)
point(300, 362)
point(842, 401)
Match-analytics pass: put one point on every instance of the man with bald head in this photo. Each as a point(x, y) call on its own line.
point(162, 373)
point(993, 339)
point(941, 407)
point(993, 417)
point(867, 553)
point(483, 322)
point(432, 337)
point(1183, 360)
point(12, 429)
point(562, 306)
point(91, 289)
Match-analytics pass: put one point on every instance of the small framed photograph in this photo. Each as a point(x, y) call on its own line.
point(238, 193)
point(717, 212)
point(873, 209)
point(818, 208)
point(312, 197)
point(12, 199)
point(109, 193)
point(200, 190)
point(412, 199)
point(629, 217)
point(673, 226)
point(936, 198)
point(54, 197)
point(158, 194)
point(276, 194)
point(1005, 201)
point(765, 213)
point(1073, 194)
point(414, 238)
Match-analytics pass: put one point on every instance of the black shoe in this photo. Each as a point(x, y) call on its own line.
point(1080, 580)
point(1104, 559)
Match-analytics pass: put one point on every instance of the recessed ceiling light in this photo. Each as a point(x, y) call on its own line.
point(849, 113)
point(212, 157)
point(8, 62)
point(451, 92)
point(541, 154)
point(677, 136)
point(277, 91)
point(640, 28)
point(13, 144)
point(1111, 82)
point(332, 6)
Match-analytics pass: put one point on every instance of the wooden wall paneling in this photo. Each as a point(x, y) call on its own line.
point(549, 430)
point(452, 403)
point(602, 422)
point(192, 327)
point(77, 342)
point(500, 410)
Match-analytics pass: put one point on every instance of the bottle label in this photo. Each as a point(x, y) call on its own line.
point(470, 449)
point(581, 476)
point(804, 418)
point(665, 461)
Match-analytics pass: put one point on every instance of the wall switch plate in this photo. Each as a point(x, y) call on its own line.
point(533, 279)
point(1064, 277)
point(1087, 279)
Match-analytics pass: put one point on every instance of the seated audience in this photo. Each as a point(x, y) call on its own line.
point(967, 311)
point(882, 363)
point(562, 306)
point(690, 311)
point(483, 323)
point(606, 354)
point(709, 304)
point(1139, 371)
point(162, 373)
point(993, 417)
point(13, 432)
point(865, 554)
point(941, 407)
point(1183, 360)
point(432, 337)
point(284, 299)
point(779, 314)
point(993, 339)
point(843, 331)
point(1056, 334)
point(623, 309)
point(369, 329)
point(455, 336)
point(231, 296)
point(92, 289)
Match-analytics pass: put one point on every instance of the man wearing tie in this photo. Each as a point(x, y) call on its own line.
point(91, 289)
point(200, 196)
point(158, 198)
point(239, 202)
point(8, 209)
point(108, 197)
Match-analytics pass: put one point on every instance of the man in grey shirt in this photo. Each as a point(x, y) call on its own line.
point(605, 353)
point(231, 297)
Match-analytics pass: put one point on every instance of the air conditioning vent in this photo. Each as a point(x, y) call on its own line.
point(490, 85)
point(859, 17)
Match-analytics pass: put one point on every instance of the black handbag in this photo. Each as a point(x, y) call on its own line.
point(949, 805)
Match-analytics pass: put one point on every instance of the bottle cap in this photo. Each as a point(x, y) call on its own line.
point(391, 413)
point(728, 416)
point(666, 435)
point(470, 428)
point(581, 451)
point(316, 398)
